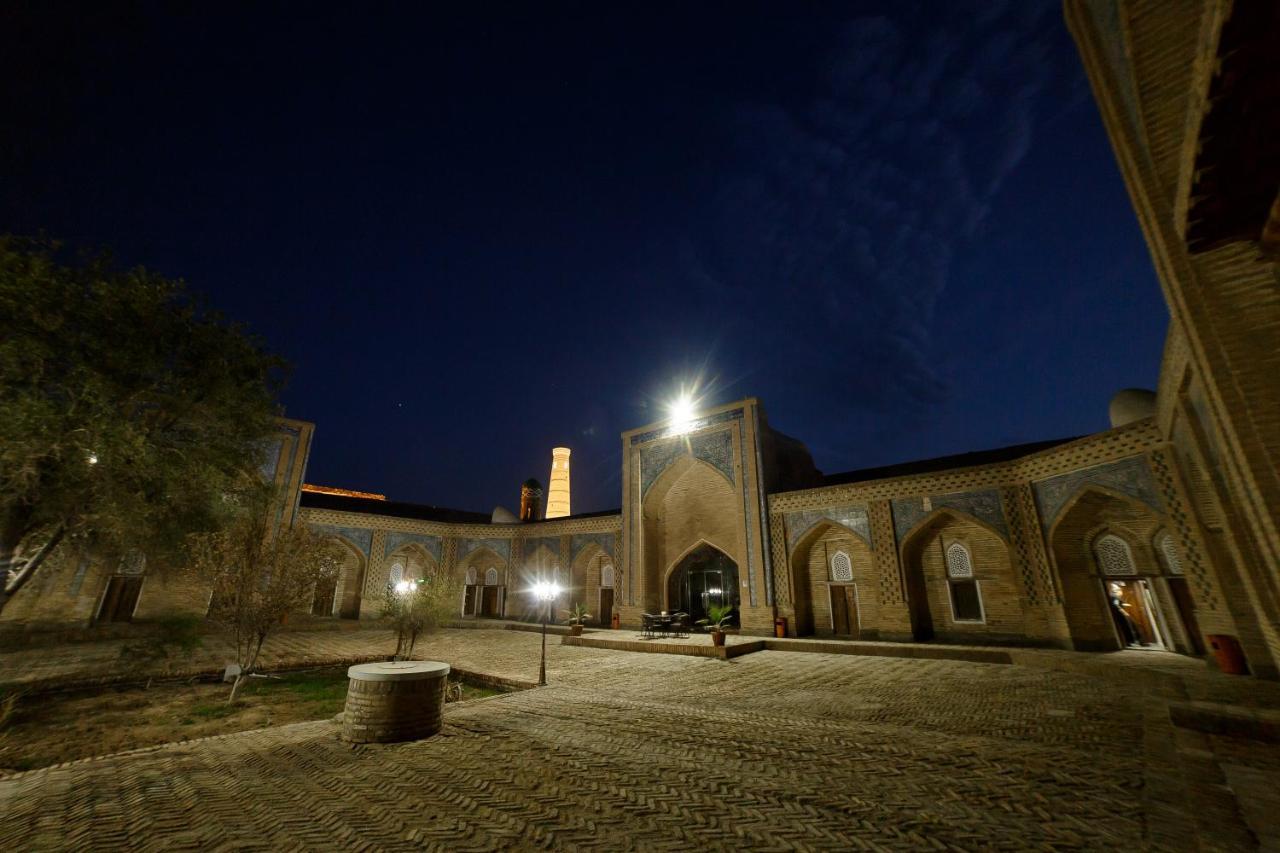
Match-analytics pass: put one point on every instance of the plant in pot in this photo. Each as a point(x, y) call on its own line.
point(577, 617)
point(719, 617)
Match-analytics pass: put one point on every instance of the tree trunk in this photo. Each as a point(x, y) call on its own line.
point(235, 687)
point(7, 551)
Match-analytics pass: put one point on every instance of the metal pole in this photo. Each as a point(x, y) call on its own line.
point(542, 670)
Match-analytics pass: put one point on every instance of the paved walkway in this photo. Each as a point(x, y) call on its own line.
point(773, 750)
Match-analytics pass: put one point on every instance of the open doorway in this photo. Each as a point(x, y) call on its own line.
point(1136, 614)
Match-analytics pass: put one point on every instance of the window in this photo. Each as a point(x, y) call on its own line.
point(491, 577)
point(396, 575)
point(1170, 553)
point(841, 568)
point(471, 576)
point(959, 565)
point(1114, 556)
point(606, 576)
point(966, 598)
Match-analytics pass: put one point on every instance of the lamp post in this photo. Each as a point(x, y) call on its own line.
point(546, 593)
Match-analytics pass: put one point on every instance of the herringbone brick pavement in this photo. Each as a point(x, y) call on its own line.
point(772, 751)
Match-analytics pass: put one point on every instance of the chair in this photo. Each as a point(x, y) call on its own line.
point(647, 625)
point(680, 625)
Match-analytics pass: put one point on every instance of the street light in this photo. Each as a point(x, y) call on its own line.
point(545, 593)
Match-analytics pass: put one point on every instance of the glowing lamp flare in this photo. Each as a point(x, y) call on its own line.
point(682, 414)
point(545, 591)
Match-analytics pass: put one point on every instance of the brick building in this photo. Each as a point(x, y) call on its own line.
point(1158, 532)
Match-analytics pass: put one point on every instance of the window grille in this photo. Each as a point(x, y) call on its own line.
point(841, 568)
point(959, 564)
point(396, 575)
point(491, 577)
point(606, 577)
point(1114, 556)
point(471, 576)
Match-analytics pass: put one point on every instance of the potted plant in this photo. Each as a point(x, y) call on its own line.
point(578, 616)
point(718, 618)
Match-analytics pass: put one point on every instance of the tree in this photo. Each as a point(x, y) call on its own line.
point(420, 606)
point(127, 410)
point(260, 574)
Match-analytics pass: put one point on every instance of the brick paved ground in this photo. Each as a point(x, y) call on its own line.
point(773, 750)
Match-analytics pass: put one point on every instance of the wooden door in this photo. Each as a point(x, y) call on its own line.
point(121, 599)
point(605, 616)
point(489, 604)
point(839, 611)
point(851, 609)
point(469, 600)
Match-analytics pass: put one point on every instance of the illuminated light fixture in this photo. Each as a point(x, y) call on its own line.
point(545, 591)
point(404, 587)
point(682, 415)
point(92, 458)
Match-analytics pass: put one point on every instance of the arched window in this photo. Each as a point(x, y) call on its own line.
point(1114, 556)
point(491, 577)
point(966, 597)
point(606, 576)
point(396, 574)
point(1169, 552)
point(471, 576)
point(959, 564)
point(841, 568)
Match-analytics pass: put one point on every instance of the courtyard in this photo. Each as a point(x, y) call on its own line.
point(772, 750)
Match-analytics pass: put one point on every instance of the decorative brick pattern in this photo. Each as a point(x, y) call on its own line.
point(1194, 564)
point(1030, 560)
point(775, 750)
point(778, 549)
point(892, 584)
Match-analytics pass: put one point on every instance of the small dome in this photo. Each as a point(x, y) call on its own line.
point(502, 515)
point(1131, 404)
point(532, 483)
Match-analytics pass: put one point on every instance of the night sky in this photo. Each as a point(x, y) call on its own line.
point(481, 230)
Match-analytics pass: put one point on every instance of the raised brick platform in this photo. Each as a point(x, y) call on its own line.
point(392, 702)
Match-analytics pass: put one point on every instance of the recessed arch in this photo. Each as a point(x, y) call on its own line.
point(689, 502)
point(932, 594)
point(704, 575)
point(812, 595)
point(1100, 535)
point(348, 585)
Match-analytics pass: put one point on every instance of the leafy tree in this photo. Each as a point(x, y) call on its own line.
point(127, 409)
point(421, 606)
point(260, 573)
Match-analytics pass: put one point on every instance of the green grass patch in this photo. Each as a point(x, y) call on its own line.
point(213, 712)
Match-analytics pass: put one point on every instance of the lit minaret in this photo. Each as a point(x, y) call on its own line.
point(558, 487)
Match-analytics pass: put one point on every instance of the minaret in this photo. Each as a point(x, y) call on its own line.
point(558, 489)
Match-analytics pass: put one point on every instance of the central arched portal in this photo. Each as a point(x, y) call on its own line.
point(704, 577)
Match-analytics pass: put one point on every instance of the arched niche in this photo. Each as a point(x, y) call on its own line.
point(1082, 545)
point(986, 604)
point(690, 502)
point(818, 610)
point(702, 576)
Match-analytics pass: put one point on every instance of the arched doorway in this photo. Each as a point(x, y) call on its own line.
point(1113, 589)
point(340, 596)
point(703, 577)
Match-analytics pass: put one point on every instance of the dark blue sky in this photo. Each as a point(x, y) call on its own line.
point(481, 230)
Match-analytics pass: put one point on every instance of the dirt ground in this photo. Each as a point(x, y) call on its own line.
point(53, 728)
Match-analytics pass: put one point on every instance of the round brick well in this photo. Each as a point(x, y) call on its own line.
point(389, 702)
